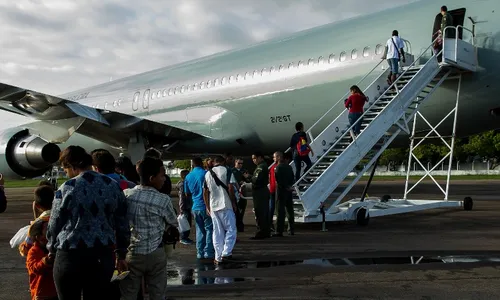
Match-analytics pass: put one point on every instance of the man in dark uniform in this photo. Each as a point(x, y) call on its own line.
point(284, 201)
point(261, 196)
point(238, 173)
point(446, 21)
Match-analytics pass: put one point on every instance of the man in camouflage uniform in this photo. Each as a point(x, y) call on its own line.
point(261, 196)
point(446, 21)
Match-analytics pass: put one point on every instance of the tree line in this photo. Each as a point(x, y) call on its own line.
point(484, 146)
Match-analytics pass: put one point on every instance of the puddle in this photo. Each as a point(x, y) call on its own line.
point(190, 275)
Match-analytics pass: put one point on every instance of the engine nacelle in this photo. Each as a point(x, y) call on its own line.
point(26, 155)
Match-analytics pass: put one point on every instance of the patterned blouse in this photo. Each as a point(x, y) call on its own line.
point(89, 210)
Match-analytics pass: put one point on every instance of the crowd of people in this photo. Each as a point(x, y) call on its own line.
point(113, 217)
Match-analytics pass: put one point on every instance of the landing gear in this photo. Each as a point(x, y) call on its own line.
point(468, 203)
point(362, 218)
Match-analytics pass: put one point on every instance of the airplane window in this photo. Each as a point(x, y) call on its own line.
point(105, 105)
point(224, 80)
point(321, 60)
point(378, 49)
point(153, 95)
point(176, 90)
point(202, 85)
point(331, 58)
point(135, 102)
point(216, 81)
point(119, 102)
point(291, 65)
point(114, 103)
point(145, 100)
point(354, 54)
point(195, 87)
point(342, 56)
point(188, 87)
point(231, 79)
point(273, 69)
point(165, 93)
point(239, 77)
point(366, 51)
point(158, 95)
point(209, 83)
point(281, 68)
point(183, 89)
point(255, 73)
point(170, 92)
point(300, 64)
point(247, 75)
point(310, 62)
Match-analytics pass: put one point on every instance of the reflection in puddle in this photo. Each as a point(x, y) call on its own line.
point(190, 275)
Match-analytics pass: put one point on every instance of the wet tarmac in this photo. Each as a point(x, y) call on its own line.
point(459, 249)
point(190, 274)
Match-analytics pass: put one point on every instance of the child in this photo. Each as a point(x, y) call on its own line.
point(44, 195)
point(39, 264)
point(185, 205)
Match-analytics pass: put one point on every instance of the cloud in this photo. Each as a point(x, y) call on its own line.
point(56, 46)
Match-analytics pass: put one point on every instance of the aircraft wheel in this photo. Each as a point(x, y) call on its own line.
point(361, 218)
point(385, 198)
point(468, 203)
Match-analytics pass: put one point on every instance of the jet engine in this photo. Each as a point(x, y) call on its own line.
point(26, 155)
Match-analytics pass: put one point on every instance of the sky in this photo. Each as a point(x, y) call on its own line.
point(57, 46)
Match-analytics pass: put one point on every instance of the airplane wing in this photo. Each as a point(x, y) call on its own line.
point(60, 118)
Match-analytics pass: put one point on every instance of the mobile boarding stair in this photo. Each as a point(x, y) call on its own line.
point(320, 190)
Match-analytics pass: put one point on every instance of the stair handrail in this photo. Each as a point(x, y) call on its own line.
point(309, 131)
point(361, 117)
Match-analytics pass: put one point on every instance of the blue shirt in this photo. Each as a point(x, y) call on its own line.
point(118, 178)
point(88, 209)
point(193, 184)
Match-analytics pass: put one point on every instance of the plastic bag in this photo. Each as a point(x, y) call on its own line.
point(19, 237)
point(183, 223)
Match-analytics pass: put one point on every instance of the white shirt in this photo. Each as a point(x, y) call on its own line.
point(391, 50)
point(219, 199)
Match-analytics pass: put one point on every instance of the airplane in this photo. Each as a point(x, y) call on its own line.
point(250, 98)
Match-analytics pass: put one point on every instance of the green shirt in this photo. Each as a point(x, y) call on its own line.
point(284, 176)
point(446, 21)
point(260, 177)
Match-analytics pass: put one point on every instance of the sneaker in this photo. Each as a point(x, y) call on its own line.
point(187, 241)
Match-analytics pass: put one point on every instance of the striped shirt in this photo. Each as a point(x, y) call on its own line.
point(149, 212)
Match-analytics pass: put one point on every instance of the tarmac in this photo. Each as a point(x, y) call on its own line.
point(377, 261)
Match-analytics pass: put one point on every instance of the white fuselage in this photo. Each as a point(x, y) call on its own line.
point(251, 98)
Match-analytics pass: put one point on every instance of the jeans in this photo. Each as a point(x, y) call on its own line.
point(204, 232)
point(272, 207)
point(353, 117)
point(298, 164)
point(153, 268)
point(88, 270)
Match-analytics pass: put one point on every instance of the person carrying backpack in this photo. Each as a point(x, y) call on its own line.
point(301, 149)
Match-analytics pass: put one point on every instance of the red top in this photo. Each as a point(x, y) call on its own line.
point(40, 273)
point(272, 179)
point(357, 102)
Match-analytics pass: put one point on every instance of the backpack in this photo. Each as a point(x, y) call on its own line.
point(302, 147)
point(123, 184)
